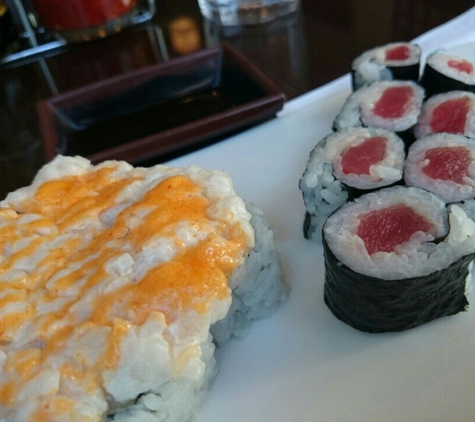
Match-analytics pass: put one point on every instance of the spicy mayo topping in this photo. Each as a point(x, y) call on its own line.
point(102, 268)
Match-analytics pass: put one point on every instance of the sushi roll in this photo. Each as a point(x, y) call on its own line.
point(399, 61)
point(391, 105)
point(443, 164)
point(452, 112)
point(111, 280)
point(343, 166)
point(397, 258)
point(253, 297)
point(445, 73)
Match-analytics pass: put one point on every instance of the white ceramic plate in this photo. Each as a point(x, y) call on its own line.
point(302, 364)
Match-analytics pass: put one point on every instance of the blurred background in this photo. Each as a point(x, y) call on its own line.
point(299, 52)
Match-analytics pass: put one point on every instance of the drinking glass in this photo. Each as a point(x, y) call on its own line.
point(245, 12)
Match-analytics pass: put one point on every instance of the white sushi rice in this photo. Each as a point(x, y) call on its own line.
point(462, 229)
point(322, 192)
point(448, 190)
point(372, 66)
point(423, 126)
point(257, 287)
point(165, 364)
point(358, 108)
point(439, 62)
point(419, 256)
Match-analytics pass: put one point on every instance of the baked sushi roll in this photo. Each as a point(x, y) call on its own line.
point(443, 164)
point(111, 278)
point(444, 73)
point(391, 105)
point(452, 112)
point(345, 165)
point(256, 286)
point(397, 258)
point(400, 61)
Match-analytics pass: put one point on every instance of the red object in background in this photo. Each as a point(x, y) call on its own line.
point(66, 15)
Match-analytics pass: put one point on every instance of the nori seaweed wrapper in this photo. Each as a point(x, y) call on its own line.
point(407, 73)
point(435, 82)
point(407, 136)
point(400, 73)
point(375, 305)
point(354, 193)
point(307, 225)
point(354, 84)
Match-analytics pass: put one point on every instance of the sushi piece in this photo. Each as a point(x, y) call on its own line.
point(391, 105)
point(452, 112)
point(396, 259)
point(343, 166)
point(111, 279)
point(444, 73)
point(443, 164)
point(399, 61)
point(253, 297)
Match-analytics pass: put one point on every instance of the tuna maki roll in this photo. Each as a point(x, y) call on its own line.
point(397, 258)
point(443, 164)
point(343, 166)
point(392, 105)
point(452, 112)
point(399, 60)
point(445, 73)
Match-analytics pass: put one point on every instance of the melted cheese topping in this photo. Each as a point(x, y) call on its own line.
point(89, 261)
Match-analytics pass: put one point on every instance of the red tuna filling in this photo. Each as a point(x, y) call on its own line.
point(393, 102)
point(360, 158)
point(447, 163)
point(450, 116)
point(401, 52)
point(383, 230)
point(461, 65)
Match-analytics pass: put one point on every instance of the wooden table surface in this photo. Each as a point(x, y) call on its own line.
point(298, 53)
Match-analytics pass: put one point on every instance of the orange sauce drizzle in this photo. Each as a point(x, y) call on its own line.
point(194, 277)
